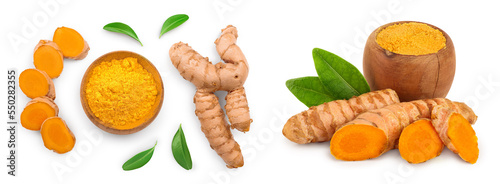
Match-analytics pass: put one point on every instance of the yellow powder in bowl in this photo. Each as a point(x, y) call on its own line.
point(411, 39)
point(121, 92)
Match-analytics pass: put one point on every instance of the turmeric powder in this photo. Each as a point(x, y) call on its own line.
point(121, 92)
point(411, 38)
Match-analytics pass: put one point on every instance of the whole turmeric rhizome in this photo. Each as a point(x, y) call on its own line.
point(208, 78)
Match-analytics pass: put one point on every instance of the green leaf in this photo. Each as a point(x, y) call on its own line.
point(180, 150)
point(309, 90)
point(121, 28)
point(342, 79)
point(139, 160)
point(173, 22)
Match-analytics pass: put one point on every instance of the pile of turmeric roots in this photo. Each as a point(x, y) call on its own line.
point(373, 123)
point(41, 113)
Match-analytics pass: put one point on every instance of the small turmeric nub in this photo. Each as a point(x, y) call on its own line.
point(57, 136)
point(36, 83)
point(420, 142)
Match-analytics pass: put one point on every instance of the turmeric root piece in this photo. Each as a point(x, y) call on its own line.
point(48, 58)
point(372, 141)
point(229, 76)
point(456, 132)
point(36, 83)
point(216, 129)
point(391, 120)
point(319, 123)
point(71, 43)
point(420, 142)
point(57, 136)
point(37, 111)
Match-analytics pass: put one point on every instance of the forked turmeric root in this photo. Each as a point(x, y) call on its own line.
point(320, 122)
point(208, 78)
point(377, 131)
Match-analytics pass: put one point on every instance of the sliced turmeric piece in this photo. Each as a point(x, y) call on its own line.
point(48, 58)
point(360, 142)
point(37, 111)
point(36, 83)
point(71, 43)
point(420, 142)
point(456, 132)
point(386, 122)
point(57, 136)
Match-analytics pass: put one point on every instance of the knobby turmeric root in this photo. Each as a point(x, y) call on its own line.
point(36, 83)
point(320, 122)
point(48, 58)
point(37, 111)
point(208, 78)
point(57, 136)
point(71, 43)
point(456, 132)
point(377, 131)
point(420, 142)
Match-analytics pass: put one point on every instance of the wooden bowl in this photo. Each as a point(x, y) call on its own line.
point(146, 120)
point(411, 76)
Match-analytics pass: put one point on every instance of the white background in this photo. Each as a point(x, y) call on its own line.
point(277, 38)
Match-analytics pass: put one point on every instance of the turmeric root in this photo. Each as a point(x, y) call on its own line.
point(57, 136)
point(208, 78)
point(36, 111)
point(377, 131)
point(456, 132)
point(36, 83)
point(71, 43)
point(320, 122)
point(420, 142)
point(48, 58)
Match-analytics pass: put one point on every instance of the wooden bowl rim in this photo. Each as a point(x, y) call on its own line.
point(155, 109)
point(376, 31)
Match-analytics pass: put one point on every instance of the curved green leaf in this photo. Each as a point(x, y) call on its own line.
point(340, 78)
point(173, 22)
point(309, 90)
point(180, 150)
point(121, 28)
point(139, 160)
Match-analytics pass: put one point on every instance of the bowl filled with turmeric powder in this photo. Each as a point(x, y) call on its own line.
point(415, 59)
point(121, 92)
